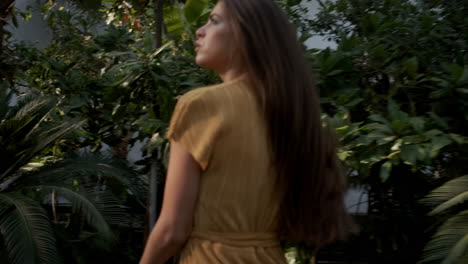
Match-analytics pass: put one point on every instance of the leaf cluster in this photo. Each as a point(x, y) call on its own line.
point(40, 197)
point(395, 91)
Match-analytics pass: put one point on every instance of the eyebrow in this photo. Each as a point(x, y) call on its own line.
point(215, 15)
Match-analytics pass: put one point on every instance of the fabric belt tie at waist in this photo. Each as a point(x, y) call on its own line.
point(244, 239)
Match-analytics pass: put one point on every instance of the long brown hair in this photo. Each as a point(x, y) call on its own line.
point(310, 180)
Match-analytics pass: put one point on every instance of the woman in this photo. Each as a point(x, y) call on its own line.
point(250, 163)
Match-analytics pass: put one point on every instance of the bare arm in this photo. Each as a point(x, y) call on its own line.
point(174, 224)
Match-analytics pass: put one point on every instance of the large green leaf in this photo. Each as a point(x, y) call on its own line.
point(193, 9)
point(26, 231)
point(385, 171)
point(173, 19)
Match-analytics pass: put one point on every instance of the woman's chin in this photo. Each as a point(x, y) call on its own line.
point(201, 62)
point(198, 60)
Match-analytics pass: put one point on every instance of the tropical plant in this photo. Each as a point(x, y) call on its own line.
point(394, 88)
point(450, 243)
point(33, 190)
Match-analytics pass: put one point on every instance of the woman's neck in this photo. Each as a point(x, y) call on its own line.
point(231, 75)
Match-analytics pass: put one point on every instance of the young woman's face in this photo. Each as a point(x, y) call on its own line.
point(214, 48)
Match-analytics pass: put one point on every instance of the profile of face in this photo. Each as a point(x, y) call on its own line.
point(214, 48)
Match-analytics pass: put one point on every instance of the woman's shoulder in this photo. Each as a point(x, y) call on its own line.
point(210, 92)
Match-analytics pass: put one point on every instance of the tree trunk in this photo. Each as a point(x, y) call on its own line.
point(158, 11)
point(121, 150)
point(152, 209)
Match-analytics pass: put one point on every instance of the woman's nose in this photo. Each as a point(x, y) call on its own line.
point(200, 32)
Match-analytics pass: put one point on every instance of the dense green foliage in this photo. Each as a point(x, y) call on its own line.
point(394, 88)
point(47, 199)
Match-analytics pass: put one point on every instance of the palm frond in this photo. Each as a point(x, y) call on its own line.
point(457, 251)
point(447, 191)
point(84, 200)
point(26, 231)
point(450, 243)
point(34, 106)
point(463, 259)
point(89, 164)
point(459, 199)
point(31, 104)
point(25, 132)
point(15, 128)
point(47, 139)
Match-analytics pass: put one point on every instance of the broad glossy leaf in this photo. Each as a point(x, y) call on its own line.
point(440, 142)
point(411, 65)
point(385, 171)
point(380, 129)
point(193, 9)
point(343, 155)
point(385, 140)
point(397, 145)
point(432, 133)
point(457, 71)
point(464, 76)
point(418, 123)
point(462, 90)
point(439, 120)
point(409, 154)
point(459, 139)
point(379, 118)
point(394, 112)
point(173, 20)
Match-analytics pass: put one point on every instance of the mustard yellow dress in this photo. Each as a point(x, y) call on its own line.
point(236, 214)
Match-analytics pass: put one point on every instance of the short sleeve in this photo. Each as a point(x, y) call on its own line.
point(194, 124)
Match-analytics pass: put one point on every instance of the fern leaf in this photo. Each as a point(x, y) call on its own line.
point(26, 231)
point(461, 198)
point(447, 191)
point(449, 242)
point(457, 251)
point(82, 204)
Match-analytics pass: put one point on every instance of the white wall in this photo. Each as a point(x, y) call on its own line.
point(34, 30)
point(316, 42)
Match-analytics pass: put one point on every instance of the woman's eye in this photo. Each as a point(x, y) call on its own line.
point(214, 21)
